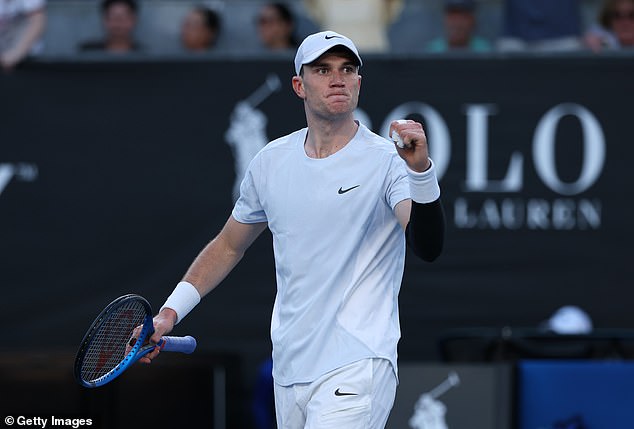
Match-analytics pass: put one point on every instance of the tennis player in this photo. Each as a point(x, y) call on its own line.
point(341, 203)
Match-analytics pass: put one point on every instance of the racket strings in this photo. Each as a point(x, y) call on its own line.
point(108, 346)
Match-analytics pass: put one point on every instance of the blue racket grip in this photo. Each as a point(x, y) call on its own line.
point(178, 344)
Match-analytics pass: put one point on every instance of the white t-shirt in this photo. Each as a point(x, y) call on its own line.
point(339, 250)
point(12, 20)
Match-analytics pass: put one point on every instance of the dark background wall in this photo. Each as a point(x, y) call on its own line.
point(113, 175)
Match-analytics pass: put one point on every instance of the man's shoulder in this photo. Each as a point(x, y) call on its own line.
point(436, 45)
point(285, 142)
point(374, 141)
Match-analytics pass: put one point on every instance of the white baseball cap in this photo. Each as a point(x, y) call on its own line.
point(317, 44)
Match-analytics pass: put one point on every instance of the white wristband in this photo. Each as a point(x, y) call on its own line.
point(182, 300)
point(423, 187)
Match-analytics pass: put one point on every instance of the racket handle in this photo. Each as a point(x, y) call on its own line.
point(178, 344)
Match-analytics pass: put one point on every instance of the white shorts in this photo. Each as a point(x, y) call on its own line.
point(356, 396)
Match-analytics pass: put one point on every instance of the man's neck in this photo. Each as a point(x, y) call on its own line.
point(119, 45)
point(327, 138)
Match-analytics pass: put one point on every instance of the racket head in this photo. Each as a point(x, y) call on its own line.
point(101, 356)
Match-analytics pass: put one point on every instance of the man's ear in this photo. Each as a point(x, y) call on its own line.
point(298, 87)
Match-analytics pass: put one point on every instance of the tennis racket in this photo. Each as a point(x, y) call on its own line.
point(102, 355)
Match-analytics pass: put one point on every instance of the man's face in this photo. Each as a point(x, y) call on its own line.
point(195, 35)
point(119, 21)
point(272, 29)
point(623, 22)
point(330, 85)
point(459, 25)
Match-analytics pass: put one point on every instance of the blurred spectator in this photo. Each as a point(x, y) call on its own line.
point(541, 25)
point(119, 21)
point(21, 26)
point(459, 24)
point(200, 29)
point(276, 27)
point(364, 21)
point(616, 30)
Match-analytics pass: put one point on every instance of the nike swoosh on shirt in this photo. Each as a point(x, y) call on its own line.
point(343, 191)
point(338, 393)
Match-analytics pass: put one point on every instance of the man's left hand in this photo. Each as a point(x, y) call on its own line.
point(414, 151)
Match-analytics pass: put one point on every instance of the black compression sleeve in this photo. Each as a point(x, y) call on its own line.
point(425, 232)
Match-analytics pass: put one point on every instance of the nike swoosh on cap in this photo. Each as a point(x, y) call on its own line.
point(327, 37)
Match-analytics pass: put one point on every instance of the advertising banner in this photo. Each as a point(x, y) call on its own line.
point(113, 175)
